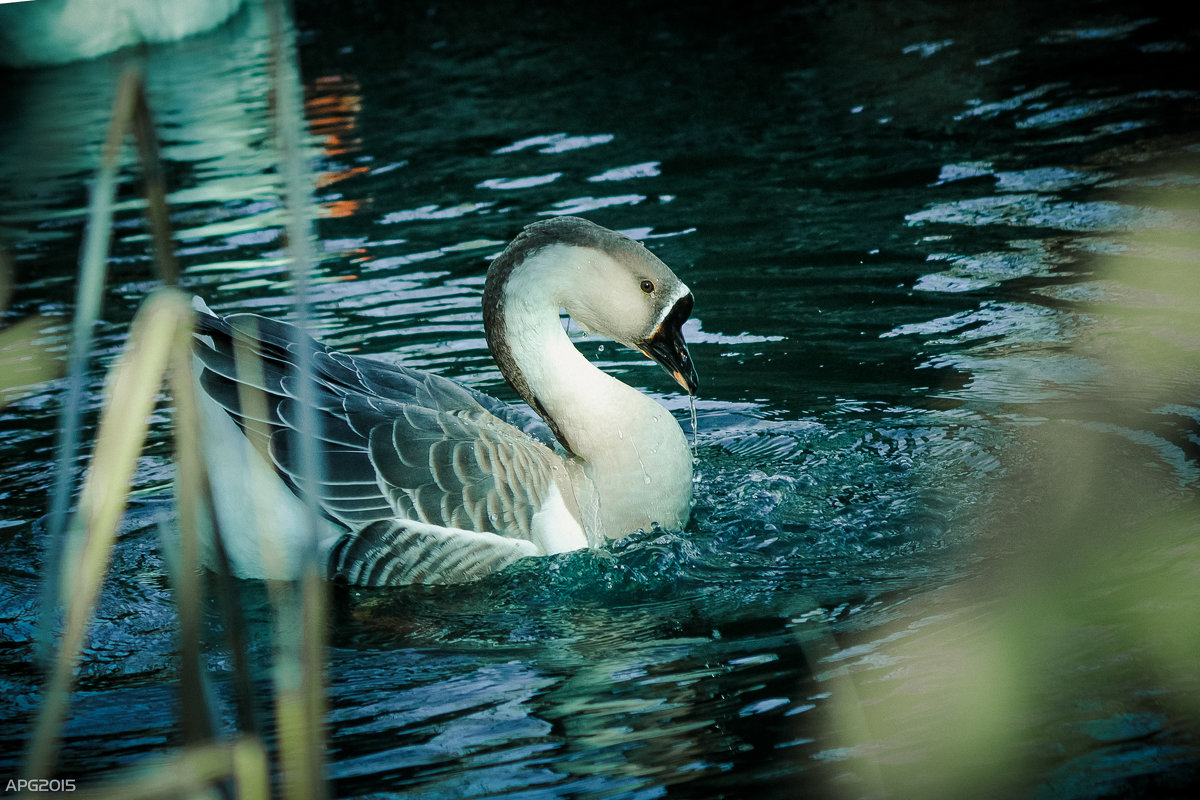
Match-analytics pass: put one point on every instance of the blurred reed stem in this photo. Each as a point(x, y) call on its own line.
point(160, 335)
point(191, 487)
point(300, 695)
point(131, 114)
point(93, 267)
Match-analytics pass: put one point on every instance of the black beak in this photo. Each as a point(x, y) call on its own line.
point(667, 347)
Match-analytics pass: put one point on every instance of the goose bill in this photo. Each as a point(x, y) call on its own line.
point(667, 347)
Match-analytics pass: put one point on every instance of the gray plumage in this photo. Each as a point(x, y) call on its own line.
point(393, 441)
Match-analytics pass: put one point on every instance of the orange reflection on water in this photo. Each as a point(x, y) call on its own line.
point(332, 104)
point(339, 209)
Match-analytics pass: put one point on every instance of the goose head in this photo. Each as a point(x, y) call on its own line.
point(611, 285)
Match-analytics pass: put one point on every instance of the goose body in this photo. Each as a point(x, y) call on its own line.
point(427, 481)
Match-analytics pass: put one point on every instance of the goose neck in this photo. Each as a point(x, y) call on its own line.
point(631, 447)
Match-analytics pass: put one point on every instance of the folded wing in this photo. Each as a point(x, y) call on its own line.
point(394, 442)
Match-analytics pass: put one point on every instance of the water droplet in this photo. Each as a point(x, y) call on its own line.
point(492, 517)
point(646, 478)
point(695, 432)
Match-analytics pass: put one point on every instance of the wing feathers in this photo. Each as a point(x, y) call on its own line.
point(403, 453)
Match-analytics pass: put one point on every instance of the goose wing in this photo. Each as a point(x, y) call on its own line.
point(394, 442)
point(274, 342)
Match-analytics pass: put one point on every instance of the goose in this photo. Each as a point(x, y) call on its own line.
point(427, 481)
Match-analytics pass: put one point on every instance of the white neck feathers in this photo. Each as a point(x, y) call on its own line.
point(631, 447)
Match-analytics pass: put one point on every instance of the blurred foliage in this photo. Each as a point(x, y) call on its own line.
point(24, 360)
point(1089, 584)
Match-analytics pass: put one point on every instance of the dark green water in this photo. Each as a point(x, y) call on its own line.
point(898, 221)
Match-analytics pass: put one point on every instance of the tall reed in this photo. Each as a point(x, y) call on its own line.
point(158, 353)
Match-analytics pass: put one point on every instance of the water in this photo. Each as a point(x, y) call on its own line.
point(897, 220)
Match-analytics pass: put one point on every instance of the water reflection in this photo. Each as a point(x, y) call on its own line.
point(680, 689)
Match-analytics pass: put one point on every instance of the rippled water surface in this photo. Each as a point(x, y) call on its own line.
point(917, 234)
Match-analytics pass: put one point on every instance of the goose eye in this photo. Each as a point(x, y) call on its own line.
point(647, 287)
